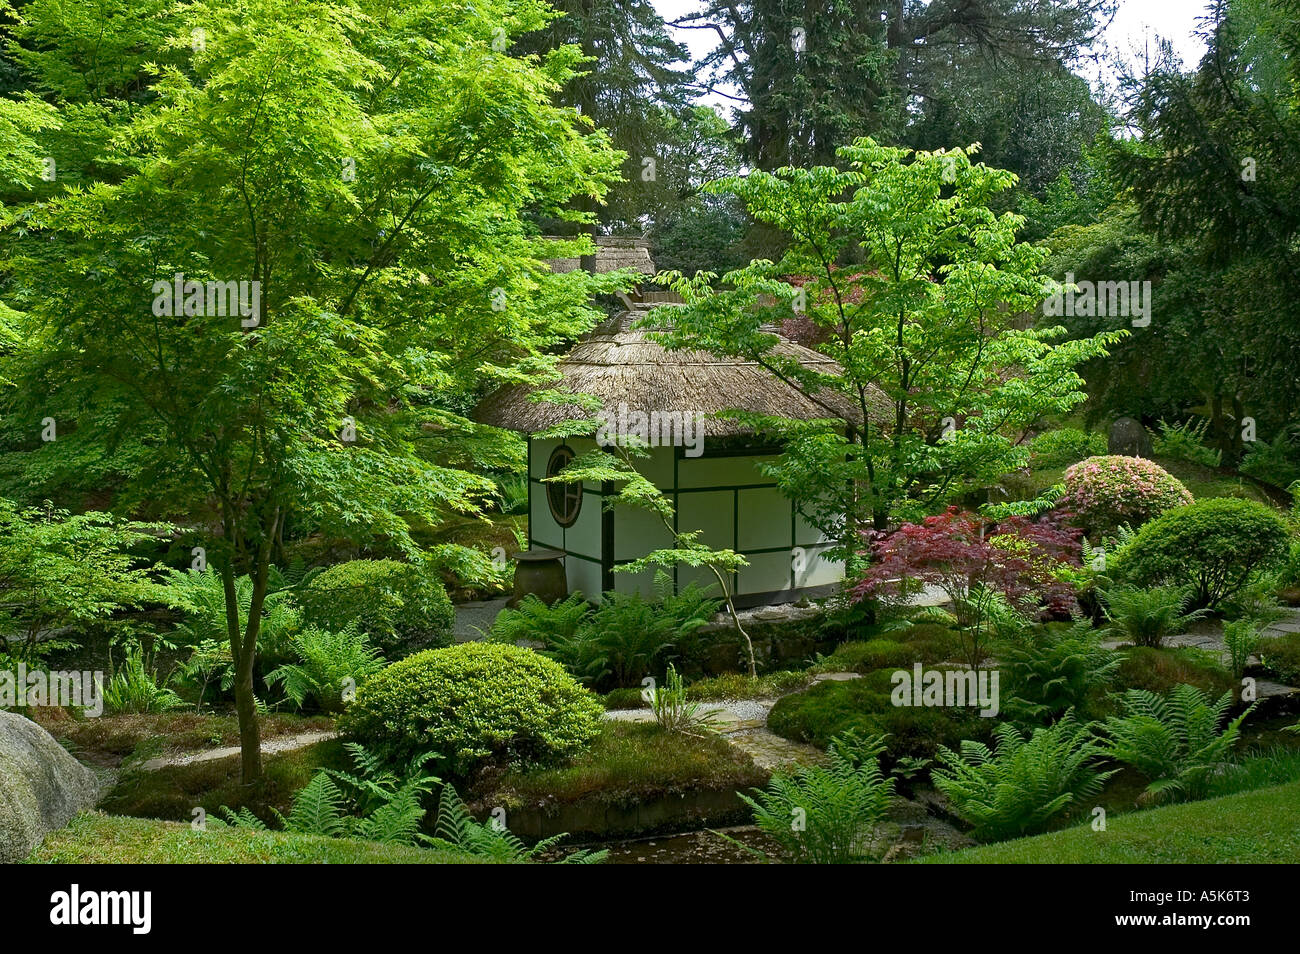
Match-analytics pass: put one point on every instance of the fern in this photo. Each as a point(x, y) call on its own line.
point(1148, 617)
point(828, 814)
point(1050, 673)
point(133, 688)
point(1174, 740)
point(325, 662)
point(242, 819)
point(1022, 785)
point(458, 831)
point(533, 621)
point(318, 809)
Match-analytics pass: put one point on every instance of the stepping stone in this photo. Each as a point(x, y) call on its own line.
point(474, 619)
point(835, 677)
point(1267, 690)
point(770, 751)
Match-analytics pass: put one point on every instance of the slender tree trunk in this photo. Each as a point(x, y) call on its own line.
point(250, 731)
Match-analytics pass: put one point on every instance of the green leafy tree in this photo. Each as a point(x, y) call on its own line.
point(811, 79)
point(362, 170)
point(634, 90)
point(918, 290)
point(1216, 173)
point(61, 572)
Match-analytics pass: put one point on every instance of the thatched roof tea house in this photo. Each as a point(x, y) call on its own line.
point(708, 466)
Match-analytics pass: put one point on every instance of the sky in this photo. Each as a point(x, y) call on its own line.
point(1136, 22)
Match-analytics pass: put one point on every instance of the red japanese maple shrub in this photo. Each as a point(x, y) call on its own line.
point(974, 562)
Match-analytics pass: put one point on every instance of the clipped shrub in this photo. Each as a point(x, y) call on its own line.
point(401, 607)
point(832, 708)
point(471, 704)
point(1065, 446)
point(1212, 546)
point(1105, 492)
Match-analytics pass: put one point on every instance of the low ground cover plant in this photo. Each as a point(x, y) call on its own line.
point(865, 706)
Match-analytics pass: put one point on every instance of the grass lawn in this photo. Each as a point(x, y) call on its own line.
point(629, 762)
point(1260, 827)
point(94, 838)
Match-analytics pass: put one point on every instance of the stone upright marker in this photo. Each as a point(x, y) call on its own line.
point(1129, 438)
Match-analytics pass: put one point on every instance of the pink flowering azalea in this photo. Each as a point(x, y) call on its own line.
point(1105, 492)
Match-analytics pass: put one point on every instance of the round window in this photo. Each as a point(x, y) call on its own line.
point(565, 500)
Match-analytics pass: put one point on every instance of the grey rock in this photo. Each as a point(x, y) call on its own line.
point(1130, 438)
point(41, 786)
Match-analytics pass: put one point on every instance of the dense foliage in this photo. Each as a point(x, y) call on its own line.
point(401, 607)
point(1212, 546)
point(471, 704)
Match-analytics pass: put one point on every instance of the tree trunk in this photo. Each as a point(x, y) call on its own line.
point(250, 731)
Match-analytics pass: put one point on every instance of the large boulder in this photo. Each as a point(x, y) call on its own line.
point(41, 786)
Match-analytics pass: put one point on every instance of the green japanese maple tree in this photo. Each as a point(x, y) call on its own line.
point(901, 270)
point(359, 173)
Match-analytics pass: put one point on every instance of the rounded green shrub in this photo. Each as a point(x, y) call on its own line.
point(471, 704)
point(1105, 492)
point(401, 607)
point(1212, 546)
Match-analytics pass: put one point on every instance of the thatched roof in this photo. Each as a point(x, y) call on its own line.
point(619, 365)
point(612, 253)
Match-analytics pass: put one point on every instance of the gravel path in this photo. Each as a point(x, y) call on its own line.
point(475, 619)
point(282, 744)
